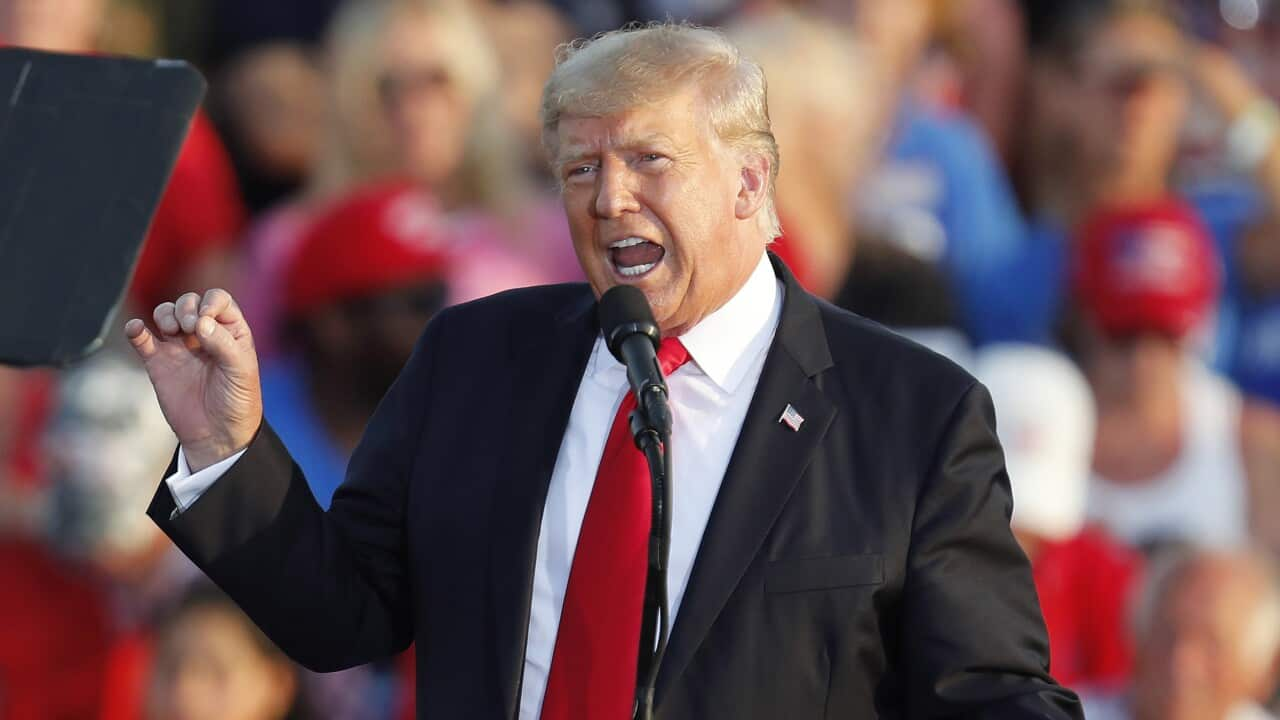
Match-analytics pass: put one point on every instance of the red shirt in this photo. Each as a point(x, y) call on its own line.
point(128, 669)
point(56, 637)
point(1085, 586)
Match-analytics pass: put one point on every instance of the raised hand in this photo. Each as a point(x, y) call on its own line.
point(202, 363)
point(1224, 80)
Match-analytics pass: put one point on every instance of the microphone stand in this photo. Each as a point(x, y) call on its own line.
point(655, 623)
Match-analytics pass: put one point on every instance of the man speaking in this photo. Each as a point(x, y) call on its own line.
point(840, 542)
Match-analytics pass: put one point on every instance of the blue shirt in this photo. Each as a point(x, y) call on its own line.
point(944, 192)
point(288, 407)
point(1248, 324)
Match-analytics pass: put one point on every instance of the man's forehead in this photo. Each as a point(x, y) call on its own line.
point(662, 123)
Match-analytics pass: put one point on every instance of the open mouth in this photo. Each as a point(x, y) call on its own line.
point(634, 257)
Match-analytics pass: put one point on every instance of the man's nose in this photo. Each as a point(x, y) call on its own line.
point(615, 193)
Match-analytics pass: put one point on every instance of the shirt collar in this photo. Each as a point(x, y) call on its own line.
point(723, 345)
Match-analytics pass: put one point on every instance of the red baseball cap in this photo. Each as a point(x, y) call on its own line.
point(1146, 268)
point(378, 237)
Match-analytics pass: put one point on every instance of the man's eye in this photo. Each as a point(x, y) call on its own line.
point(581, 170)
point(651, 157)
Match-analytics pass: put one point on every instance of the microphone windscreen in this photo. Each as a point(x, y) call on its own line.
point(623, 311)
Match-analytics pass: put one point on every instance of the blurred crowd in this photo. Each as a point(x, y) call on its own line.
point(1077, 200)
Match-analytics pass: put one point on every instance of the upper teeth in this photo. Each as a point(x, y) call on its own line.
point(628, 242)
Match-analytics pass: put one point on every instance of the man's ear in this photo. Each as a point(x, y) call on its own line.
point(753, 192)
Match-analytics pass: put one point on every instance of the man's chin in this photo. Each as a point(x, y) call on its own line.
point(656, 287)
point(665, 314)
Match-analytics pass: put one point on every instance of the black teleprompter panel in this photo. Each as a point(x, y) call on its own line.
point(87, 144)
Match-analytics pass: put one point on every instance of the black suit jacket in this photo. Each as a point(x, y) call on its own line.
point(860, 567)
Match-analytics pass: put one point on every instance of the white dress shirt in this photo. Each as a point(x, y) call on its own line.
point(709, 400)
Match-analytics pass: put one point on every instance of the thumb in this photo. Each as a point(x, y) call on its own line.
point(143, 342)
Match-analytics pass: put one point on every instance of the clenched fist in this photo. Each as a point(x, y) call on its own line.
point(202, 363)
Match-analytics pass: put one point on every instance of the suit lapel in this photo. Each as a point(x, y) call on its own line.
point(548, 368)
point(767, 461)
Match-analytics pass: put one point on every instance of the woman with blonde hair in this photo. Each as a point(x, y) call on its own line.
point(414, 92)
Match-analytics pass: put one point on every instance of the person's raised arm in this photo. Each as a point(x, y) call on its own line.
point(331, 589)
point(1253, 134)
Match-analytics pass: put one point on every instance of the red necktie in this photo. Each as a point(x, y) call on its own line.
point(593, 670)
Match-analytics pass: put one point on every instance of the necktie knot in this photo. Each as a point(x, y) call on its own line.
point(671, 355)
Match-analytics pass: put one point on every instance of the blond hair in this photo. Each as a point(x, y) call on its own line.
point(354, 144)
point(489, 175)
point(643, 64)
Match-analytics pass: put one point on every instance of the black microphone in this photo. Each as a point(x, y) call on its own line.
point(633, 337)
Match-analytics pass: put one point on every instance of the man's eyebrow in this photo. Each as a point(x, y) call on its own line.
point(571, 155)
point(574, 154)
point(648, 141)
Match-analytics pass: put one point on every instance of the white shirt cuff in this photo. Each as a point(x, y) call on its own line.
point(187, 487)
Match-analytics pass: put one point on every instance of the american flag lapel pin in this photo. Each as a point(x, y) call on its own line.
point(791, 418)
